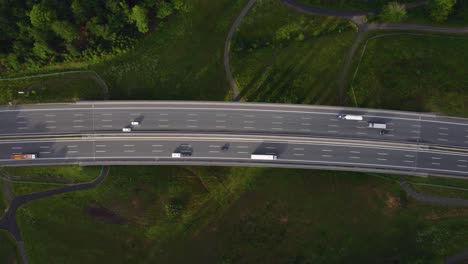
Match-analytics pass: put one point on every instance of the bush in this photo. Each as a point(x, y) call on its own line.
point(393, 12)
point(440, 9)
point(173, 208)
point(140, 17)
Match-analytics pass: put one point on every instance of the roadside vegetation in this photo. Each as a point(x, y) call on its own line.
point(40, 33)
point(279, 55)
point(48, 89)
point(8, 249)
point(416, 72)
point(240, 215)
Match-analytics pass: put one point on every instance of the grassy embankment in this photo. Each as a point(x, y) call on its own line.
point(183, 60)
point(240, 215)
point(62, 88)
point(414, 72)
point(279, 55)
point(33, 179)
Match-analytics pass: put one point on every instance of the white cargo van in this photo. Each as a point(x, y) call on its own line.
point(377, 125)
point(176, 155)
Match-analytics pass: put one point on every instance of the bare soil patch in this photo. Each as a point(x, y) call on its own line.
point(103, 214)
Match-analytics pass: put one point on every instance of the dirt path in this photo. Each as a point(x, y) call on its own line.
point(8, 221)
point(432, 199)
point(97, 78)
point(227, 46)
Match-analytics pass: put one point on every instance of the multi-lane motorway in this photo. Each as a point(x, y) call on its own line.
point(301, 136)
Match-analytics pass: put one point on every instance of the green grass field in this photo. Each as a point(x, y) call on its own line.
point(8, 251)
point(350, 4)
point(240, 215)
point(414, 72)
point(181, 61)
point(62, 88)
point(127, 217)
point(279, 55)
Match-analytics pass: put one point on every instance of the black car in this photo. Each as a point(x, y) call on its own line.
point(186, 153)
point(383, 132)
point(225, 147)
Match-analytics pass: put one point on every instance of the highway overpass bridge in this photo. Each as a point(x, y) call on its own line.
point(225, 133)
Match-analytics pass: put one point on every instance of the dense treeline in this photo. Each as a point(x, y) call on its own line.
point(38, 32)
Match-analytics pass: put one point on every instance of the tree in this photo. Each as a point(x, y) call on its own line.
point(78, 10)
point(65, 30)
point(440, 9)
point(100, 30)
point(393, 12)
point(41, 49)
point(179, 5)
point(41, 16)
point(140, 16)
point(165, 10)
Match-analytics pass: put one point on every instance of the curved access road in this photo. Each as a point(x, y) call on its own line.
point(227, 45)
point(301, 136)
point(8, 221)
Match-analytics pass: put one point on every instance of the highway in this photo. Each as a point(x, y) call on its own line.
point(301, 136)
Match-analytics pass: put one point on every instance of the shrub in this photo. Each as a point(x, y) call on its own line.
point(393, 12)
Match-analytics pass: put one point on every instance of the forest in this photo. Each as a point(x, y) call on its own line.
point(34, 33)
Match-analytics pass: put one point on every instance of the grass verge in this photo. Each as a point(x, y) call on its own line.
point(3, 199)
point(431, 75)
point(8, 249)
point(280, 55)
point(181, 61)
point(62, 88)
point(240, 215)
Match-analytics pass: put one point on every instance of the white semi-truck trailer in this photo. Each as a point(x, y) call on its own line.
point(350, 117)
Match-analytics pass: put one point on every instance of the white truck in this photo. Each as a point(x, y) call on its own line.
point(263, 157)
point(350, 117)
point(377, 125)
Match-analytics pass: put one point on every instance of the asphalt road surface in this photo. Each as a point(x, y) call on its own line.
point(297, 134)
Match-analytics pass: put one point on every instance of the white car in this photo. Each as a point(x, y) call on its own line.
point(135, 123)
point(126, 129)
